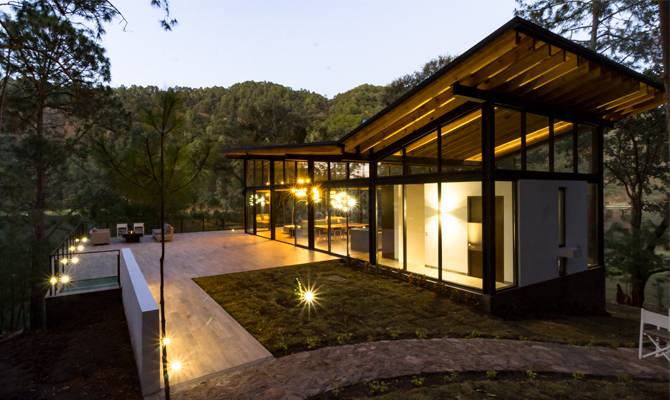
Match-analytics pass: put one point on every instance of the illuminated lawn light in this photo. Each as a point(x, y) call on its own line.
point(75, 260)
point(53, 280)
point(65, 279)
point(309, 297)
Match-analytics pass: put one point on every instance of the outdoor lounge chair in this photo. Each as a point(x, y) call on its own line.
point(121, 229)
point(99, 236)
point(138, 227)
point(169, 231)
point(658, 335)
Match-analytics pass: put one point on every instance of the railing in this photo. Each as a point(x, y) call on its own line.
point(181, 224)
point(69, 270)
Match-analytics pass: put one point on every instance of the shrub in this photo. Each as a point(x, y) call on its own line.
point(578, 376)
point(623, 378)
point(313, 342)
point(344, 338)
point(417, 382)
point(491, 374)
point(421, 333)
point(451, 378)
point(531, 374)
point(474, 334)
point(376, 387)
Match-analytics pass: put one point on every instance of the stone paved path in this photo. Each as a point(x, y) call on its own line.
point(306, 374)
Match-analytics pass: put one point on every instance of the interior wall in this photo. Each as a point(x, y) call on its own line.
point(416, 225)
point(454, 216)
point(537, 215)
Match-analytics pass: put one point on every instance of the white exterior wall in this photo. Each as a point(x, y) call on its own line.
point(537, 222)
point(142, 316)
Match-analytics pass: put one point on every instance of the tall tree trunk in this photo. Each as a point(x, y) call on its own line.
point(37, 314)
point(166, 378)
point(664, 16)
point(595, 12)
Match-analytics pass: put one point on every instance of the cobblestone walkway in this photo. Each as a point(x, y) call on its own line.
point(306, 374)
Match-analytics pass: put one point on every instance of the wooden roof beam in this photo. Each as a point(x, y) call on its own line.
point(529, 61)
point(544, 67)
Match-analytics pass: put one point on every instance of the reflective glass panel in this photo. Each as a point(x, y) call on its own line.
point(421, 156)
point(507, 138)
point(537, 143)
point(462, 143)
point(563, 146)
point(320, 171)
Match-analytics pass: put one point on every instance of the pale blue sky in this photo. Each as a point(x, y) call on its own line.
point(323, 46)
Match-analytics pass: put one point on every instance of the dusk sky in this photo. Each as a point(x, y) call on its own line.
point(327, 47)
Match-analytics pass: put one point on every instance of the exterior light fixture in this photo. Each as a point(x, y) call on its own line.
point(309, 297)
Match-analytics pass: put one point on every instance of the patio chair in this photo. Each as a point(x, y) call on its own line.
point(138, 227)
point(121, 229)
point(99, 236)
point(658, 335)
point(169, 231)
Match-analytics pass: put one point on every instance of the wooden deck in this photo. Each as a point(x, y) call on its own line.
point(203, 336)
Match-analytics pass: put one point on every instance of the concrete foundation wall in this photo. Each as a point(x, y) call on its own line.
point(142, 316)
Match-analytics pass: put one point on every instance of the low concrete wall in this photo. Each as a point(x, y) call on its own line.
point(142, 316)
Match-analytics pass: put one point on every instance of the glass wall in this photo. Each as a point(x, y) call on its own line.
point(462, 143)
point(537, 143)
point(421, 156)
point(283, 207)
point(359, 170)
point(320, 171)
point(279, 172)
point(593, 204)
point(302, 171)
point(250, 207)
point(341, 205)
point(586, 162)
point(358, 223)
point(507, 138)
point(421, 219)
point(320, 198)
point(338, 171)
point(301, 220)
point(563, 146)
point(290, 172)
point(390, 225)
point(391, 165)
point(262, 200)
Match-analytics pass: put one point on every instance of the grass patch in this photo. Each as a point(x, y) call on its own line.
point(515, 385)
point(364, 307)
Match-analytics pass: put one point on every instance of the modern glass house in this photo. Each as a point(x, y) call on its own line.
point(487, 177)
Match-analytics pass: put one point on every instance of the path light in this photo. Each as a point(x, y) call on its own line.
point(53, 280)
point(309, 297)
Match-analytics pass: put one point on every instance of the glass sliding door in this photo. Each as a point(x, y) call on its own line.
point(390, 242)
point(340, 203)
point(250, 207)
point(262, 200)
point(301, 221)
point(283, 207)
point(320, 218)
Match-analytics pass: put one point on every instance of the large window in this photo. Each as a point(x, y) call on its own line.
point(358, 221)
point(279, 173)
point(462, 143)
point(391, 165)
point(586, 162)
point(421, 156)
point(563, 146)
point(390, 225)
point(421, 219)
point(320, 199)
point(537, 143)
point(507, 138)
point(250, 206)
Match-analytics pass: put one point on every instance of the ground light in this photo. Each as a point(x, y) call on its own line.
point(309, 297)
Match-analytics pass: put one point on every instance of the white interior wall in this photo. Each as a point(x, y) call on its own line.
point(537, 215)
point(431, 225)
point(397, 216)
point(454, 216)
point(416, 225)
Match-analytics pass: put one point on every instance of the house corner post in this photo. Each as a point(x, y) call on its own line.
point(488, 199)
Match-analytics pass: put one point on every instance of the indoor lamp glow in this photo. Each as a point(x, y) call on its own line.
point(175, 365)
point(75, 260)
point(65, 279)
point(53, 280)
point(71, 248)
point(80, 248)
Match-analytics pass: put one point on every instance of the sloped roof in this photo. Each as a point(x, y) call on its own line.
point(519, 61)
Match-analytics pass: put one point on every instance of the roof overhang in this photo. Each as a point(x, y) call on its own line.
point(317, 148)
point(520, 64)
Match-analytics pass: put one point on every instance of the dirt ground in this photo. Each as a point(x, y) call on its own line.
point(88, 358)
